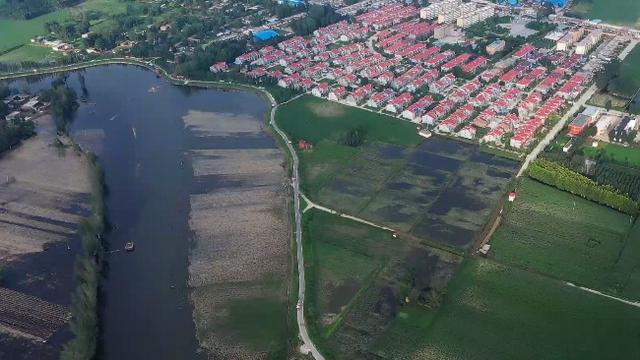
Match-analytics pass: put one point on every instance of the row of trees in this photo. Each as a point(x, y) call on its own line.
point(84, 303)
point(63, 100)
point(623, 178)
point(26, 9)
point(317, 16)
point(556, 175)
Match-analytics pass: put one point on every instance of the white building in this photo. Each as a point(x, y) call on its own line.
point(475, 16)
point(586, 44)
point(434, 10)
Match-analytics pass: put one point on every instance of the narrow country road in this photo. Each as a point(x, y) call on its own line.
point(308, 345)
point(312, 205)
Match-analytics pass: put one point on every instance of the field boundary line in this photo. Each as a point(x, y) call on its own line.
point(596, 292)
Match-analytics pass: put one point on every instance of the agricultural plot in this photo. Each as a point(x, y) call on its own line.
point(16, 32)
point(620, 12)
point(440, 190)
point(565, 236)
point(29, 53)
point(496, 312)
point(359, 277)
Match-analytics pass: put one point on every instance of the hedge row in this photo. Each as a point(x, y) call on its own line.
point(84, 302)
point(556, 175)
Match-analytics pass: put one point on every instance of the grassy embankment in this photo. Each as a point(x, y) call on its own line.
point(567, 237)
point(18, 32)
point(618, 12)
point(440, 190)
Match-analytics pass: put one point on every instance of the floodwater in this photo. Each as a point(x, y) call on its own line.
point(134, 122)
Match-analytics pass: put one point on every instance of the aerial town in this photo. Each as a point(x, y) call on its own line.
point(319, 179)
point(400, 60)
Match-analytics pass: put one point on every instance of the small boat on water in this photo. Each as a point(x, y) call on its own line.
point(130, 246)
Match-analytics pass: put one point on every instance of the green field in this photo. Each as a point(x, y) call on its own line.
point(544, 232)
point(358, 278)
point(619, 12)
point(439, 190)
point(495, 312)
point(617, 153)
point(14, 32)
point(30, 53)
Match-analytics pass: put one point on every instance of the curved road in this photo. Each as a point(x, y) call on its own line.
point(308, 345)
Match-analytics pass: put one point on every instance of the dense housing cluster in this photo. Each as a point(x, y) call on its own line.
point(392, 59)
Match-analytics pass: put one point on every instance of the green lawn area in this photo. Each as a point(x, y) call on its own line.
point(495, 312)
point(17, 32)
point(616, 153)
point(542, 231)
point(315, 119)
point(29, 53)
point(619, 12)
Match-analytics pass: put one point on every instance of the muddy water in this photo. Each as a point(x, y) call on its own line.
point(134, 122)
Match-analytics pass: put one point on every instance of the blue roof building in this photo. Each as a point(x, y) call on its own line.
point(265, 35)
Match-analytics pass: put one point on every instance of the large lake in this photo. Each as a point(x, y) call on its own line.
point(135, 123)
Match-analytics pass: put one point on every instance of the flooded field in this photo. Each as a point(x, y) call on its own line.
point(196, 183)
point(442, 190)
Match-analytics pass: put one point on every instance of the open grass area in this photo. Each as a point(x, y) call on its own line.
point(619, 12)
point(29, 53)
point(440, 190)
point(495, 312)
point(359, 278)
point(15, 32)
point(617, 153)
point(544, 231)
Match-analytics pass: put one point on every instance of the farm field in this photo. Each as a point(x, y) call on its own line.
point(616, 153)
point(29, 53)
point(544, 232)
point(439, 190)
point(492, 311)
point(618, 12)
point(359, 277)
point(16, 32)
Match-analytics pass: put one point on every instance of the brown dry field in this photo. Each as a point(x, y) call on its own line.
point(41, 192)
point(241, 233)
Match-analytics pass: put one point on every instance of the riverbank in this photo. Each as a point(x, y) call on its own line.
point(282, 139)
point(45, 193)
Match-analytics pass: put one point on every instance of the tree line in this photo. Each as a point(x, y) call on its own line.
point(84, 322)
point(556, 175)
point(63, 103)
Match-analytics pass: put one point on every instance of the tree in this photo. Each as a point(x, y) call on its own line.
point(607, 104)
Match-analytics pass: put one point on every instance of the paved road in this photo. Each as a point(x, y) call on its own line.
point(560, 125)
point(555, 130)
point(308, 345)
